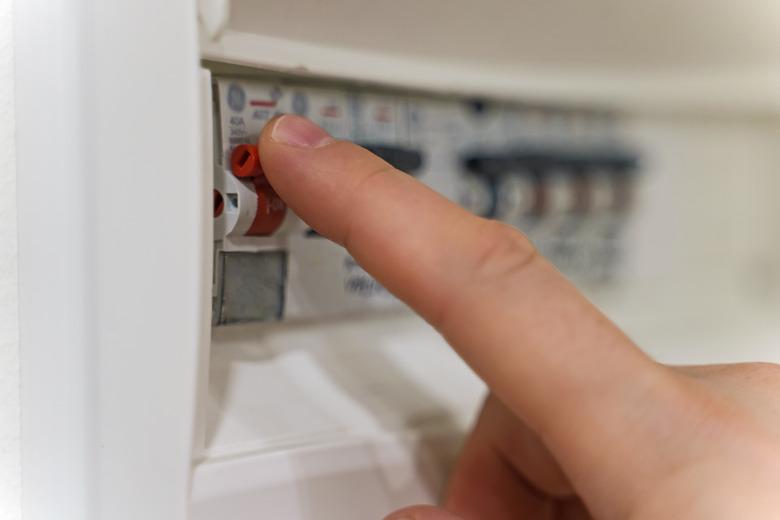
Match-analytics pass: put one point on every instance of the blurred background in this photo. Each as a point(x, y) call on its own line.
point(191, 366)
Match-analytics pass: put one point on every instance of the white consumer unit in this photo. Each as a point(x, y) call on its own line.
point(191, 349)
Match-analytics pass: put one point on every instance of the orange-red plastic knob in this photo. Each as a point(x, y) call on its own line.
point(270, 209)
point(245, 161)
point(245, 164)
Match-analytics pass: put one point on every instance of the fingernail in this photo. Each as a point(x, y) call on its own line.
point(299, 131)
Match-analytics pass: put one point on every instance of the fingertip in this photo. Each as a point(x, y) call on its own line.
point(316, 174)
point(298, 131)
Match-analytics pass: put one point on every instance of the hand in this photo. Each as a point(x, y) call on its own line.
point(579, 423)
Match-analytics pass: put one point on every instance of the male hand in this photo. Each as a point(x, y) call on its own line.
point(579, 422)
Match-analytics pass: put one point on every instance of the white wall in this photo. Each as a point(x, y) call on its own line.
point(9, 330)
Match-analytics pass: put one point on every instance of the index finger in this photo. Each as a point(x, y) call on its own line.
point(546, 351)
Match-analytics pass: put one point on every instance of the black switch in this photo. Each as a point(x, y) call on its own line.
point(405, 159)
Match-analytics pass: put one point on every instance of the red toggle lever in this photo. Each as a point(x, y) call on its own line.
point(245, 164)
point(245, 161)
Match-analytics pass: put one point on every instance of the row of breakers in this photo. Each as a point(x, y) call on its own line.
point(565, 177)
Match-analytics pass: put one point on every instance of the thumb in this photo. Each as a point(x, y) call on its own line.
point(422, 513)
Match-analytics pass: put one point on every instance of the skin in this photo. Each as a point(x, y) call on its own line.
point(579, 422)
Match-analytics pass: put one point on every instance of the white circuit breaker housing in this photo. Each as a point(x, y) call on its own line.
point(561, 175)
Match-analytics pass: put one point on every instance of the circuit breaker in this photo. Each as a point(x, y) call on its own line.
point(562, 175)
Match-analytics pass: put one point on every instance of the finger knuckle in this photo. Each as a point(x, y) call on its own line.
point(500, 256)
point(502, 251)
point(361, 193)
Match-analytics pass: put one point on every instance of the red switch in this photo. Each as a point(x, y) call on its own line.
point(245, 164)
point(245, 161)
point(270, 209)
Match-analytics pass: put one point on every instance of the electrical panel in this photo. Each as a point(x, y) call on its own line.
point(562, 175)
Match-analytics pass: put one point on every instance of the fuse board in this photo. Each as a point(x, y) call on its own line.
point(564, 176)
